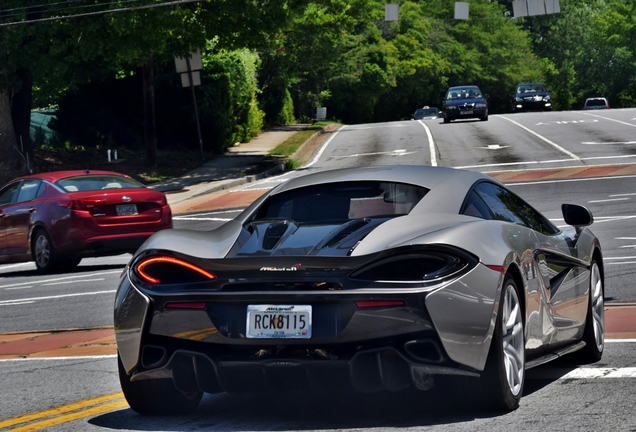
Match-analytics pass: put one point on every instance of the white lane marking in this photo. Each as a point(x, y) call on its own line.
point(618, 258)
point(620, 195)
point(75, 281)
point(609, 199)
point(8, 266)
point(624, 238)
point(610, 119)
point(399, 152)
point(34, 299)
point(431, 144)
point(23, 284)
point(324, 146)
point(553, 144)
point(494, 147)
point(627, 246)
point(583, 373)
point(607, 143)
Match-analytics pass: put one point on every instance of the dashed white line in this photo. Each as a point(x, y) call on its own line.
point(22, 285)
point(608, 200)
point(34, 299)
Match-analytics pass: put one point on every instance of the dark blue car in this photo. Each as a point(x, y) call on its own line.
point(463, 102)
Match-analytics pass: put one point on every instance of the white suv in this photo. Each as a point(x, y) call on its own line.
point(596, 103)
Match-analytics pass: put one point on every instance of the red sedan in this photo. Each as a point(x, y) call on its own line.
point(58, 218)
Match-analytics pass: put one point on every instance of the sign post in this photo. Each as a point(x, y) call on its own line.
point(189, 68)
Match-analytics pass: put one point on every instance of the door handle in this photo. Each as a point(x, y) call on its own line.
point(32, 209)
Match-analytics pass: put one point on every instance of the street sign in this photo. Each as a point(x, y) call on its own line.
point(181, 64)
point(196, 79)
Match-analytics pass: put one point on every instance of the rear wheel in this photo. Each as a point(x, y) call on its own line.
point(501, 384)
point(156, 396)
point(43, 252)
point(594, 333)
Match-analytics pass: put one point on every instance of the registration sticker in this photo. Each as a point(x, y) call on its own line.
point(279, 321)
point(126, 209)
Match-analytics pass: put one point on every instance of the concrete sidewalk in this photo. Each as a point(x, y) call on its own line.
point(243, 163)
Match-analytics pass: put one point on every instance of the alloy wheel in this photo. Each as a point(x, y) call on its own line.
point(42, 251)
point(513, 340)
point(598, 305)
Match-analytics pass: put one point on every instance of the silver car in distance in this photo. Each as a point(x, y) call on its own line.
point(378, 278)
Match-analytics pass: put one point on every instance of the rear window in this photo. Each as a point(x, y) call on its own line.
point(595, 102)
point(97, 182)
point(339, 202)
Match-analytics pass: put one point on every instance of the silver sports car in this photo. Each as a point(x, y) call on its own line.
point(373, 279)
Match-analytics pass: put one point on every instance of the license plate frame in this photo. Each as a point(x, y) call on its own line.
point(126, 209)
point(270, 321)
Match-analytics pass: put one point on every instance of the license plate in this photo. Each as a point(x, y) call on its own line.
point(467, 112)
point(279, 321)
point(126, 209)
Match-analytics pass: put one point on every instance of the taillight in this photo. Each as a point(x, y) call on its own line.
point(157, 270)
point(84, 204)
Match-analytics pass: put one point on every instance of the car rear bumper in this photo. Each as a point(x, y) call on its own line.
point(370, 370)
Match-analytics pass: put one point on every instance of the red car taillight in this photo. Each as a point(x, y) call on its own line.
point(157, 270)
point(85, 204)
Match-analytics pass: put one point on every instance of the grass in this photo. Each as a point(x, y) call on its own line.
point(288, 147)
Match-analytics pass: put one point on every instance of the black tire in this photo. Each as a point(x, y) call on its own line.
point(43, 251)
point(156, 397)
point(70, 263)
point(484, 118)
point(501, 384)
point(446, 120)
point(594, 333)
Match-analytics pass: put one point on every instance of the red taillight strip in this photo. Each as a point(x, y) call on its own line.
point(497, 268)
point(170, 260)
point(186, 305)
point(379, 303)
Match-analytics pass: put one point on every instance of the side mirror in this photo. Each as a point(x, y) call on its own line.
point(576, 215)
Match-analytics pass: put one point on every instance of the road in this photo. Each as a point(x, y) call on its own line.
point(548, 147)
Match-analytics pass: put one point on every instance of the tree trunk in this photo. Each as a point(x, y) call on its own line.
point(8, 154)
point(21, 103)
point(150, 131)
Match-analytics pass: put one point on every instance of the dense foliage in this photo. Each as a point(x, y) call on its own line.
point(111, 75)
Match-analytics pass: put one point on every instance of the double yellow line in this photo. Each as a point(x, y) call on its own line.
point(65, 413)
